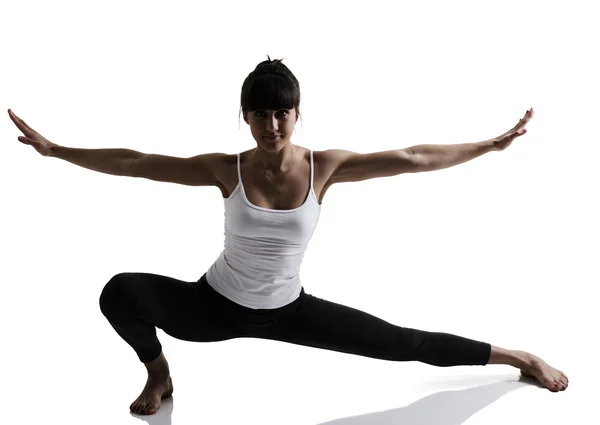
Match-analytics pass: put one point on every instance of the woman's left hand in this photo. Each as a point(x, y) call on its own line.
point(503, 141)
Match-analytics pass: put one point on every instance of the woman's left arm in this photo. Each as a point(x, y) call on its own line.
point(437, 157)
point(348, 166)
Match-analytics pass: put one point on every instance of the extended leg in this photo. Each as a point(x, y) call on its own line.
point(327, 325)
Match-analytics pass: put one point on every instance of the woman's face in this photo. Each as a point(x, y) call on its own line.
point(267, 122)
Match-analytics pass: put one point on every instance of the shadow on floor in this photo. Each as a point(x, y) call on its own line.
point(444, 407)
point(441, 408)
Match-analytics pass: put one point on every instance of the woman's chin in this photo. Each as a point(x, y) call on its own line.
point(273, 143)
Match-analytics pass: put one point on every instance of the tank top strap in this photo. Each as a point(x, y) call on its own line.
point(239, 170)
point(312, 169)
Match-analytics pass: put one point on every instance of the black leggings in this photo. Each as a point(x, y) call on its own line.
point(134, 303)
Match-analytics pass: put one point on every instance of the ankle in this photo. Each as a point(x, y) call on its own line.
point(158, 367)
point(529, 360)
point(522, 359)
point(158, 376)
point(515, 358)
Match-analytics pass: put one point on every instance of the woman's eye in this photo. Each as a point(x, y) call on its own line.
point(260, 113)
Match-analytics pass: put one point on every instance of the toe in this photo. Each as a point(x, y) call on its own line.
point(150, 410)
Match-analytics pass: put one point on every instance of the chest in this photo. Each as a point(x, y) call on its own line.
point(276, 192)
point(280, 192)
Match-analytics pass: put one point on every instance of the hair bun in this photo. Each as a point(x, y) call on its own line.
point(274, 66)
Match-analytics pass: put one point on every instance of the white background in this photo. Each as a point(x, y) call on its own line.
point(502, 249)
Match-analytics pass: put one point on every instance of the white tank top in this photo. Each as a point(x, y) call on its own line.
point(259, 267)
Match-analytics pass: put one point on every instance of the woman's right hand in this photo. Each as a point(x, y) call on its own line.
point(44, 146)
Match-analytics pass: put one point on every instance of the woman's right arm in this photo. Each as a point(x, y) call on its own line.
point(109, 161)
point(199, 170)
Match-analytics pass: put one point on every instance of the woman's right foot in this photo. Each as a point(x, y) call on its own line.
point(155, 390)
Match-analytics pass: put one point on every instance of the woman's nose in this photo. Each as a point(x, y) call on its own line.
point(272, 124)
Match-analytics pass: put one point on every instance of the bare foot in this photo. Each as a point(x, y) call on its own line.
point(149, 400)
point(550, 378)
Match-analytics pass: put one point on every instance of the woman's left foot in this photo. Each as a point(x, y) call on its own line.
point(550, 378)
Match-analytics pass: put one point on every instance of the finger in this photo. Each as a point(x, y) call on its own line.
point(27, 140)
point(514, 134)
point(16, 120)
point(517, 126)
point(22, 125)
point(524, 120)
point(25, 124)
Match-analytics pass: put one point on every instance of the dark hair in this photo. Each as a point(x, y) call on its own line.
point(270, 86)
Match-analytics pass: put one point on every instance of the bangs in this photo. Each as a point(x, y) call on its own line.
point(272, 92)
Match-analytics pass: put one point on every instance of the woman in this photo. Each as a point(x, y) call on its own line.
point(273, 195)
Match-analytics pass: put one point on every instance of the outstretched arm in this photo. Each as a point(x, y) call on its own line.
point(436, 157)
point(109, 161)
point(350, 166)
point(199, 170)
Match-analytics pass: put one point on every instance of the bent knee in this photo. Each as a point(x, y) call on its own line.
point(114, 291)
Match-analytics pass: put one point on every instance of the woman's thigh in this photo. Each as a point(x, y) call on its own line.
point(184, 310)
point(324, 324)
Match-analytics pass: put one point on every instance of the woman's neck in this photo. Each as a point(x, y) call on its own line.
point(275, 162)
